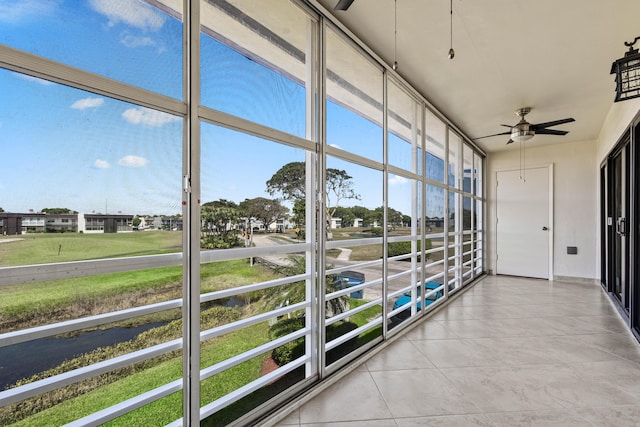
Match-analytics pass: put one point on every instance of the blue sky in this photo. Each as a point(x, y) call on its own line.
point(64, 147)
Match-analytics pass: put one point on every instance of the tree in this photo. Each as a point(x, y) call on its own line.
point(289, 181)
point(340, 184)
point(1, 210)
point(346, 215)
point(363, 213)
point(263, 209)
point(394, 217)
point(58, 211)
point(218, 219)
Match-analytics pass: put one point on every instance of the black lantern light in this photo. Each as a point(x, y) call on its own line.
point(627, 71)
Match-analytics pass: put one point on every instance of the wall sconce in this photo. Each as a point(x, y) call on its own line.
point(627, 71)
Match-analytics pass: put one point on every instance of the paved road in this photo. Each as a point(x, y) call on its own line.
point(371, 273)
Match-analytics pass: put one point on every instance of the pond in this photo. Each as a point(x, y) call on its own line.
point(25, 359)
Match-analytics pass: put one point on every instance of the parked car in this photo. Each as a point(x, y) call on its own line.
point(405, 299)
point(349, 279)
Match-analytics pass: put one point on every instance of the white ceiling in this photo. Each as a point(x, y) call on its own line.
point(551, 55)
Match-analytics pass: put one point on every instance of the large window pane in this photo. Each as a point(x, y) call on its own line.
point(86, 165)
point(254, 197)
point(455, 160)
point(403, 129)
point(434, 230)
point(254, 63)
point(129, 41)
point(354, 100)
point(467, 168)
point(98, 180)
point(436, 137)
point(354, 264)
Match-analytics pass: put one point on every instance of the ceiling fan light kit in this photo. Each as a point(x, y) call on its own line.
point(524, 131)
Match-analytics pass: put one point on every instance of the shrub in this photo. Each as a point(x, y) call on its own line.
point(377, 231)
point(400, 248)
point(295, 349)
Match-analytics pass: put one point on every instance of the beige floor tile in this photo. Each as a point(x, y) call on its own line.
point(507, 388)
point(367, 423)
point(400, 355)
point(410, 393)
point(615, 416)
point(354, 398)
point(431, 330)
point(556, 418)
point(474, 420)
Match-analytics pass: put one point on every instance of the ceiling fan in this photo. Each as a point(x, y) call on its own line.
point(343, 4)
point(524, 131)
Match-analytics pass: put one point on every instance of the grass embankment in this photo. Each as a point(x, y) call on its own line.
point(109, 292)
point(42, 248)
point(116, 387)
point(31, 304)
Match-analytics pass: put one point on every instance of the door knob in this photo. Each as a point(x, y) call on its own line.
point(544, 228)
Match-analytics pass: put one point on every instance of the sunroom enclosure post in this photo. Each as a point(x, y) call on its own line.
point(191, 211)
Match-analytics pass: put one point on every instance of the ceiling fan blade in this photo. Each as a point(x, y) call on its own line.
point(343, 4)
point(495, 134)
point(551, 132)
point(554, 123)
point(507, 126)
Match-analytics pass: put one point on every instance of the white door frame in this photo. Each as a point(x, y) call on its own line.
point(550, 219)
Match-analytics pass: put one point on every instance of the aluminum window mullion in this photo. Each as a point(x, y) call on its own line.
point(36, 66)
point(191, 211)
point(229, 121)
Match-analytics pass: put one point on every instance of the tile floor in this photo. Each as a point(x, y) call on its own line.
point(508, 352)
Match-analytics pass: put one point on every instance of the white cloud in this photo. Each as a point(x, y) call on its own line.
point(133, 161)
point(132, 41)
point(18, 11)
point(136, 41)
point(147, 116)
point(130, 12)
point(33, 79)
point(82, 104)
point(398, 180)
point(101, 164)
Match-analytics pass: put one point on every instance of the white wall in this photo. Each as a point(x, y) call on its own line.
point(575, 201)
point(618, 119)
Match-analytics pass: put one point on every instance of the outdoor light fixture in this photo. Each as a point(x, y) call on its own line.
point(627, 71)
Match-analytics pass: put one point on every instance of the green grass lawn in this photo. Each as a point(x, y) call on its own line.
point(168, 409)
point(42, 248)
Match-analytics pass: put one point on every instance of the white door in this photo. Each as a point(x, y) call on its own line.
point(523, 224)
